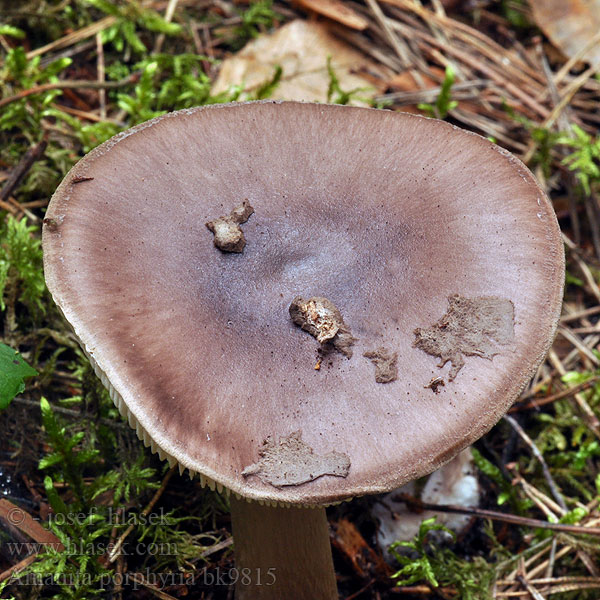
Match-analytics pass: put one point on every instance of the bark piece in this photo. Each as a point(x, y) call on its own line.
point(229, 236)
point(365, 562)
point(435, 384)
point(320, 317)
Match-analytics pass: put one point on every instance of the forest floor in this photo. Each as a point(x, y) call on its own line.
point(75, 72)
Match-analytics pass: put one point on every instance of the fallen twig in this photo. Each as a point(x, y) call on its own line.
point(63, 85)
point(496, 516)
point(547, 475)
point(17, 568)
point(29, 158)
point(537, 402)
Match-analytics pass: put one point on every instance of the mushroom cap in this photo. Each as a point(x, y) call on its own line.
point(388, 215)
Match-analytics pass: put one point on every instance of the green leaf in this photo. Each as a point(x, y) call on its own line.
point(50, 424)
point(12, 31)
point(575, 378)
point(507, 491)
point(55, 67)
point(571, 279)
point(54, 499)
point(106, 7)
point(585, 158)
point(154, 22)
point(128, 31)
point(21, 263)
point(417, 568)
point(13, 371)
point(4, 267)
point(574, 516)
point(50, 460)
point(444, 104)
point(16, 62)
point(335, 94)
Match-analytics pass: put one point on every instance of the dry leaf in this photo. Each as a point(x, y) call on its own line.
point(301, 48)
point(406, 82)
point(336, 10)
point(570, 25)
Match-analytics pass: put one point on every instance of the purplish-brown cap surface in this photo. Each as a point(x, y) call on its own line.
point(433, 243)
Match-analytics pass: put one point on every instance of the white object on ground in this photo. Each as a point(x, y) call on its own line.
point(454, 483)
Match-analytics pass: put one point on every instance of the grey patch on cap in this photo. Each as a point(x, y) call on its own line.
point(470, 327)
point(386, 364)
point(292, 462)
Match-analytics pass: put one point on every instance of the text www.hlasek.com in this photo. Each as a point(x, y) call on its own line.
point(96, 548)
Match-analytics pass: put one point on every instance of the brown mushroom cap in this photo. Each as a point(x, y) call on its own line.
point(385, 214)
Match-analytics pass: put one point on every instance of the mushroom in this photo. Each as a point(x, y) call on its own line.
point(403, 223)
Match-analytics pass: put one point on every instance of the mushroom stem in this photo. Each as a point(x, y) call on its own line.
point(282, 552)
